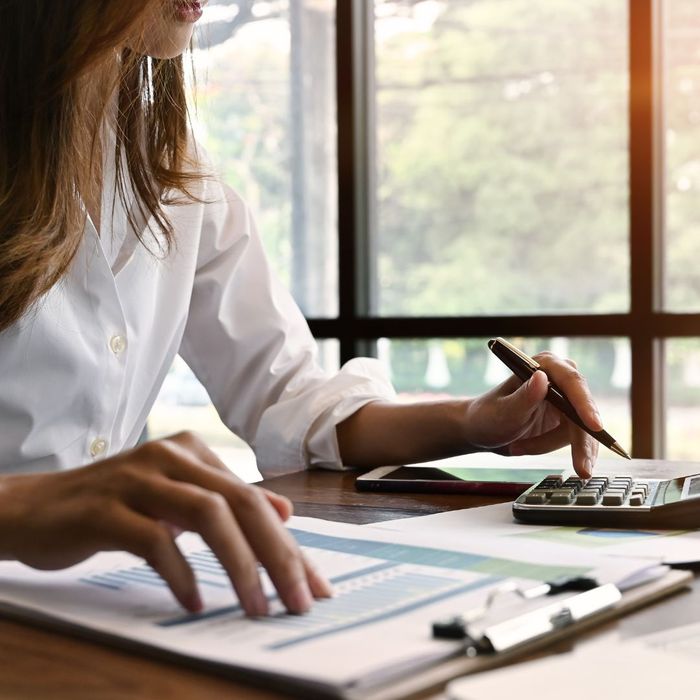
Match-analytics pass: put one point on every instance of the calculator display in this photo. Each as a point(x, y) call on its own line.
point(669, 491)
point(693, 486)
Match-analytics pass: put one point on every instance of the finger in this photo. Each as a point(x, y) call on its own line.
point(194, 444)
point(208, 513)
point(545, 442)
point(174, 530)
point(584, 450)
point(281, 504)
point(566, 377)
point(191, 442)
point(153, 542)
point(276, 548)
point(272, 543)
point(517, 408)
point(320, 586)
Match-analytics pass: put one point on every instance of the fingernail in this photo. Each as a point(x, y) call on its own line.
point(320, 585)
point(327, 590)
point(300, 599)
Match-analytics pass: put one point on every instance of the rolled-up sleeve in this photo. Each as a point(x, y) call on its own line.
point(249, 344)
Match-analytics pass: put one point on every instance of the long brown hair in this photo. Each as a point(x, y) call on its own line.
point(57, 61)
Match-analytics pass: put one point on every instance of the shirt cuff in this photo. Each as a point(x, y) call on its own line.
point(369, 383)
point(299, 429)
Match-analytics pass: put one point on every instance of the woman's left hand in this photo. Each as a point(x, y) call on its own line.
point(514, 418)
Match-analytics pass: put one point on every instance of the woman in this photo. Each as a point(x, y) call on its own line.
point(118, 249)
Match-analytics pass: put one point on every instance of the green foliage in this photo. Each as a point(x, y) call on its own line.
point(503, 160)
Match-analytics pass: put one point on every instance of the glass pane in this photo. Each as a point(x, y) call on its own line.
point(183, 404)
point(266, 114)
point(682, 91)
point(438, 368)
point(682, 398)
point(501, 157)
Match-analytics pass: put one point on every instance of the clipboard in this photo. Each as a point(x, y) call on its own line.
point(529, 626)
point(434, 678)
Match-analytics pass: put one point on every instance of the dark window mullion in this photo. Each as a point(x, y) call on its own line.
point(355, 99)
point(664, 325)
point(347, 211)
point(645, 212)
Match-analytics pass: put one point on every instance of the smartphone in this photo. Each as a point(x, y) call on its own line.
point(485, 481)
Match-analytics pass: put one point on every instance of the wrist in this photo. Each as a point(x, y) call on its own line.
point(479, 424)
point(464, 414)
point(470, 416)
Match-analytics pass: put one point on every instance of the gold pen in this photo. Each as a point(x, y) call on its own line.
point(523, 367)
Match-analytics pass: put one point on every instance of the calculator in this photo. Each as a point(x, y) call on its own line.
point(612, 501)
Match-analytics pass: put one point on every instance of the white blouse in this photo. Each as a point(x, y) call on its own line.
point(80, 371)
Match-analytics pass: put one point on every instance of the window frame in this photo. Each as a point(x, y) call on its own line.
point(646, 325)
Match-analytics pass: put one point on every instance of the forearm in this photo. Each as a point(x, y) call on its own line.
point(385, 433)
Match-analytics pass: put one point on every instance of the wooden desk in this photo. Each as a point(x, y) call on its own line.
point(37, 664)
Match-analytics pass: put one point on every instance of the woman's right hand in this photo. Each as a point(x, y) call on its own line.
point(137, 500)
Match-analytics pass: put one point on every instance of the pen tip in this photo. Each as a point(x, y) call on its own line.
point(615, 447)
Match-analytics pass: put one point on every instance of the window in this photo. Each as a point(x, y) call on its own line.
point(524, 168)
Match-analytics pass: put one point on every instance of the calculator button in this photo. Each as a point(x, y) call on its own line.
point(636, 500)
point(536, 497)
point(614, 498)
point(550, 483)
point(587, 498)
point(617, 489)
point(574, 484)
point(562, 497)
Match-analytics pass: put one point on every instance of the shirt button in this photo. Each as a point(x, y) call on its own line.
point(117, 343)
point(98, 446)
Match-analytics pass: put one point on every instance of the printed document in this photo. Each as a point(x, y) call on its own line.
point(389, 588)
point(669, 546)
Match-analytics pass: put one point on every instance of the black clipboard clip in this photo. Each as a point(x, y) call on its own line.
point(502, 636)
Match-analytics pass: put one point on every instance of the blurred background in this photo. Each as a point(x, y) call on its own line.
point(491, 169)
